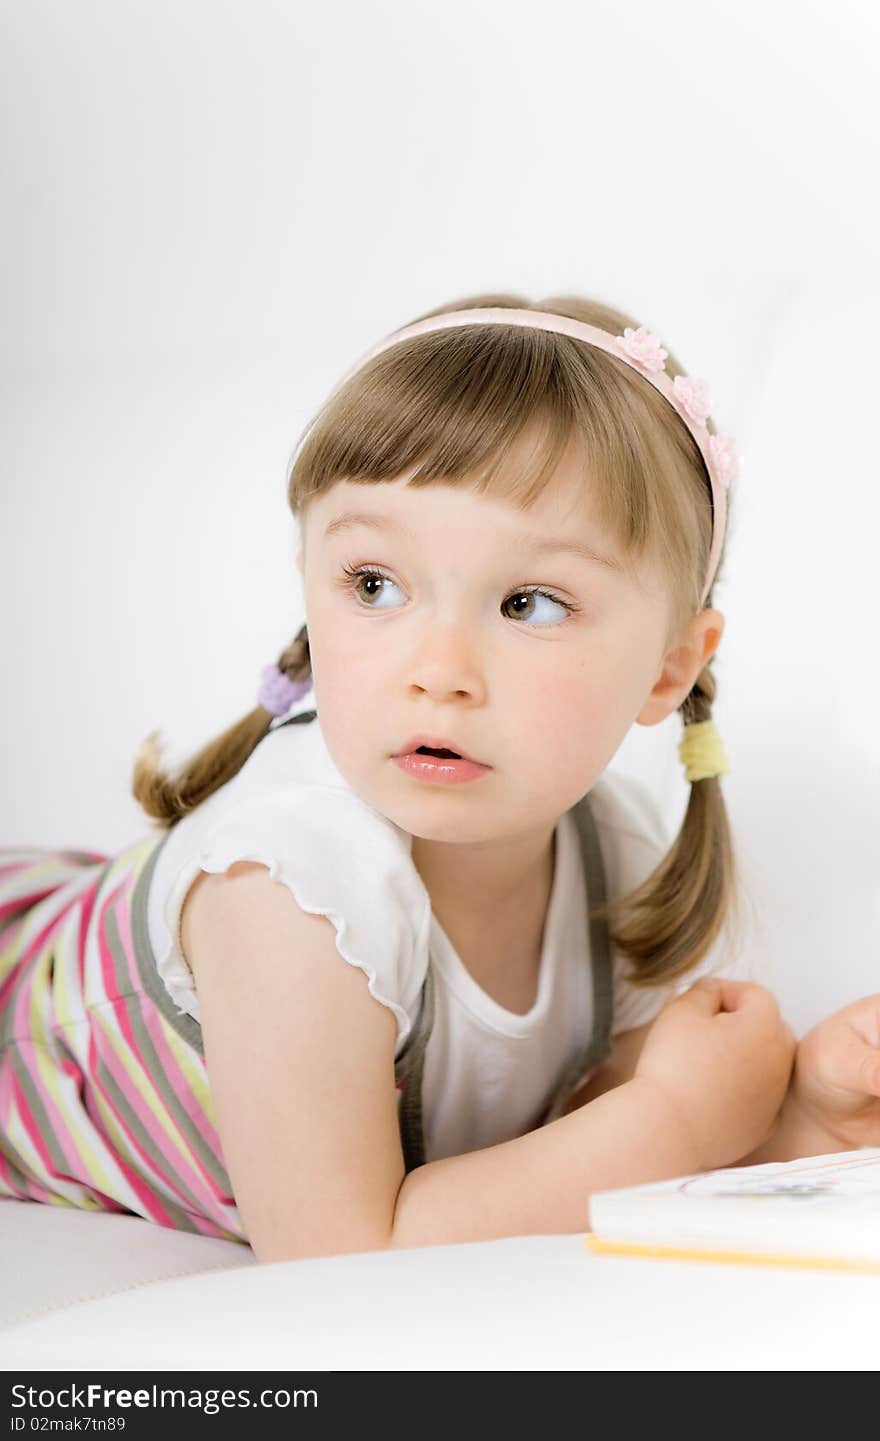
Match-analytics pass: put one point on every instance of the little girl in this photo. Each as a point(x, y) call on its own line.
point(400, 966)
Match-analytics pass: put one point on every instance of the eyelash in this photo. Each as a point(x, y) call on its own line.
point(352, 574)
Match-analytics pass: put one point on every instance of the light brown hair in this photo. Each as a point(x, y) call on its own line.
point(448, 406)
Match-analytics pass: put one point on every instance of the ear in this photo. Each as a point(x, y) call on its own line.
point(681, 666)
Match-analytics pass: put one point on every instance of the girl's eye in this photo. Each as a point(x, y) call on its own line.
point(375, 581)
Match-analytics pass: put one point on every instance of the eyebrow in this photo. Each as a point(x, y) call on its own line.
point(537, 544)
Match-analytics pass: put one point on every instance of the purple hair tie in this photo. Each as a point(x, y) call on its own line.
point(277, 693)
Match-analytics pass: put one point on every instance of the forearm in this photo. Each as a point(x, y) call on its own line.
point(540, 1183)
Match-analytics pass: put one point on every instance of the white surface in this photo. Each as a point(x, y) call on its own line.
point(529, 1303)
point(52, 1257)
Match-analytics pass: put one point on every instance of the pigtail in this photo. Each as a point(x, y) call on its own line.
point(167, 798)
point(673, 919)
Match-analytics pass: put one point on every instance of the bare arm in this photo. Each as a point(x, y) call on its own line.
point(301, 1064)
point(614, 1133)
point(541, 1182)
point(626, 1048)
point(795, 1133)
point(301, 1069)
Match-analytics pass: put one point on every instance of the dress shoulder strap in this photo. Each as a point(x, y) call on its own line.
point(296, 720)
point(598, 1047)
point(408, 1071)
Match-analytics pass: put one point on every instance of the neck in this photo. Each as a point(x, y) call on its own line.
point(485, 887)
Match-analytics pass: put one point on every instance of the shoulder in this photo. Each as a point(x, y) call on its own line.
point(290, 811)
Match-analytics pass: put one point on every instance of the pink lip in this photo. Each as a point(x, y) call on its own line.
point(441, 770)
point(436, 743)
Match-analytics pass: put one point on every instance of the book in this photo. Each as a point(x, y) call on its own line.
point(818, 1211)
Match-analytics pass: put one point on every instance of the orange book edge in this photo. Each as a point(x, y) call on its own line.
point(727, 1258)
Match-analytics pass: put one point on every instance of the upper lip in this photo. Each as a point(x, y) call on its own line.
point(436, 743)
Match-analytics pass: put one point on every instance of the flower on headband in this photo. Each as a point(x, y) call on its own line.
point(694, 396)
point(643, 347)
point(725, 456)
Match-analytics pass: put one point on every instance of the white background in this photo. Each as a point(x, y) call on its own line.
point(211, 209)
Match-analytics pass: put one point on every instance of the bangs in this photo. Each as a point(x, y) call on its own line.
point(448, 407)
point(495, 408)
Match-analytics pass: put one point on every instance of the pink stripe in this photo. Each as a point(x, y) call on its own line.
point(148, 1198)
point(7, 987)
point(107, 970)
point(57, 1119)
point(38, 941)
point(19, 903)
point(202, 1182)
point(18, 859)
point(11, 1186)
point(33, 1130)
point(15, 868)
point(176, 1164)
point(5, 1088)
point(179, 1168)
point(32, 1191)
point(188, 1168)
point(208, 1189)
point(171, 1067)
point(88, 905)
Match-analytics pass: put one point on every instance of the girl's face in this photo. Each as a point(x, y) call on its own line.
point(453, 639)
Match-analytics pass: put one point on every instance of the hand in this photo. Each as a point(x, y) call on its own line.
point(836, 1082)
point(722, 1055)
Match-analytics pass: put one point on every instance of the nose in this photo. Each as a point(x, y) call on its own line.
point(446, 663)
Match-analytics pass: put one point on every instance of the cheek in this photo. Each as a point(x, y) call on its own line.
point(573, 717)
point(581, 712)
point(340, 662)
point(346, 684)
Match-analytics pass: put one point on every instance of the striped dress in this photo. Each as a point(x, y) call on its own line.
point(104, 1099)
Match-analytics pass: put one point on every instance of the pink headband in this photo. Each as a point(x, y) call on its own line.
point(638, 348)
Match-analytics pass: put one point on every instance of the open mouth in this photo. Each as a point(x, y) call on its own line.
point(429, 751)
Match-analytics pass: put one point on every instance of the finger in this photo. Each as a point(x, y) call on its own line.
point(705, 995)
point(747, 996)
point(727, 995)
point(848, 1064)
point(867, 1070)
point(864, 1017)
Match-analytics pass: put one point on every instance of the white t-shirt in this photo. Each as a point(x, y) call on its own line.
point(489, 1073)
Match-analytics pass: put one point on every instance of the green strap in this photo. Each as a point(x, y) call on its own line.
point(410, 1064)
point(296, 720)
point(599, 1046)
point(408, 1069)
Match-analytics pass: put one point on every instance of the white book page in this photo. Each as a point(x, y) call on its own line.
point(848, 1177)
point(818, 1205)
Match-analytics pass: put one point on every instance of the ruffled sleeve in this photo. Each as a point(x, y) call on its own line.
point(339, 858)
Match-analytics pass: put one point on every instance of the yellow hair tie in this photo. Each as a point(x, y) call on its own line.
point(701, 751)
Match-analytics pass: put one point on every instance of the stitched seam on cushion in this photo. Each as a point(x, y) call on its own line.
point(52, 1310)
